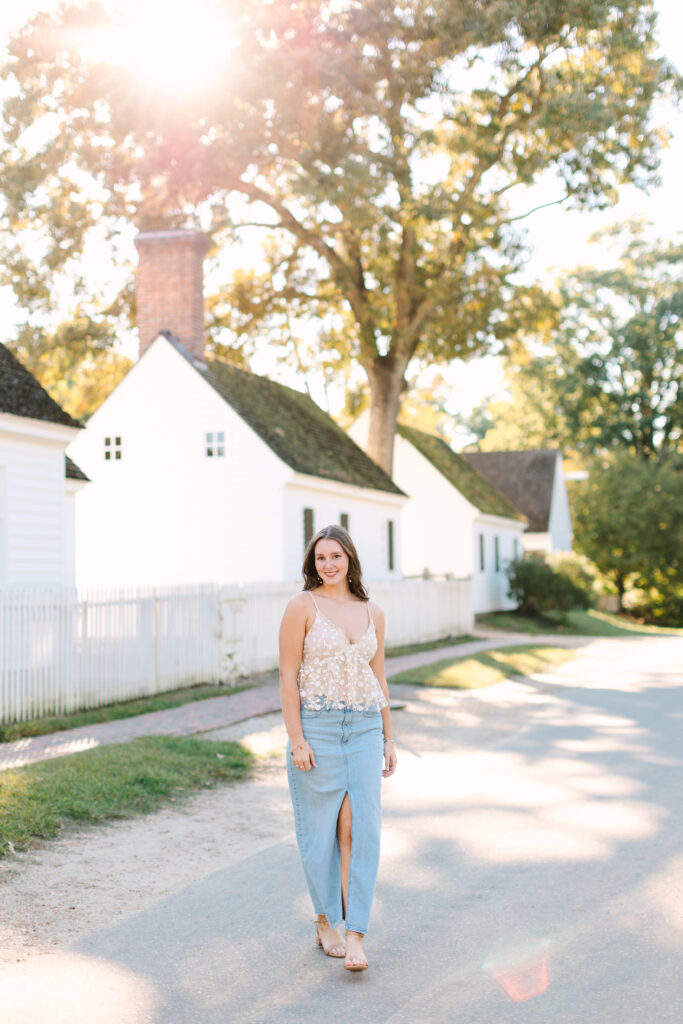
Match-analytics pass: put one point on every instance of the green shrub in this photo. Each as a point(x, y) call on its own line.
point(659, 607)
point(537, 587)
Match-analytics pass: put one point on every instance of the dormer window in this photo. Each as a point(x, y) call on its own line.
point(112, 448)
point(215, 444)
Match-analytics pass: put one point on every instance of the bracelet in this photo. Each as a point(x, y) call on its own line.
point(389, 741)
point(298, 745)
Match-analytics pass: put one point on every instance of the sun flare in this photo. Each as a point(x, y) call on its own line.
point(170, 46)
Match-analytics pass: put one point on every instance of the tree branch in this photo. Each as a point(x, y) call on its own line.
point(541, 206)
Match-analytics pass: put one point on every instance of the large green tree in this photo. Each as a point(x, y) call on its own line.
point(628, 519)
point(376, 141)
point(610, 375)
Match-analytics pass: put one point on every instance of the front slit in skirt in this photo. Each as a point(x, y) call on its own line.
point(348, 749)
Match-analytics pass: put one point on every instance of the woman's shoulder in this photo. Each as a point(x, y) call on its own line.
point(375, 610)
point(300, 600)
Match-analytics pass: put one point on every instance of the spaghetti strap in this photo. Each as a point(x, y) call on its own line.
point(369, 615)
point(313, 600)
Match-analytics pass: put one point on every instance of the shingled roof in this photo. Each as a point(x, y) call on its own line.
point(74, 472)
point(464, 477)
point(295, 428)
point(525, 478)
point(22, 395)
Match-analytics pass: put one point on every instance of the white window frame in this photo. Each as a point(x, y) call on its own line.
point(214, 444)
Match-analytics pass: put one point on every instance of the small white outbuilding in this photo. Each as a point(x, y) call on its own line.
point(455, 523)
point(38, 482)
point(204, 472)
point(534, 481)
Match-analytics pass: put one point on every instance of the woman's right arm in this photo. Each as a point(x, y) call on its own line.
point(292, 634)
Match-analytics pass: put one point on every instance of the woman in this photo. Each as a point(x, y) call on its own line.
point(335, 703)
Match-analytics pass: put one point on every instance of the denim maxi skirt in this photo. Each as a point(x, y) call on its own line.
point(348, 749)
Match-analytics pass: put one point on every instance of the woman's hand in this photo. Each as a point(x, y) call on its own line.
point(390, 759)
point(303, 757)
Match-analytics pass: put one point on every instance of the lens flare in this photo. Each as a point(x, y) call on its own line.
point(523, 973)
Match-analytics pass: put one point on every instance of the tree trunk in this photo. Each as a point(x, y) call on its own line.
point(621, 589)
point(386, 387)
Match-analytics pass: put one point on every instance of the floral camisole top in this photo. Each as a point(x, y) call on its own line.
point(335, 673)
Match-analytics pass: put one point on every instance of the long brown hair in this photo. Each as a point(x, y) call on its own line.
point(355, 574)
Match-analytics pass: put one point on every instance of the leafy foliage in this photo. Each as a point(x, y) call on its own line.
point(538, 587)
point(610, 377)
point(374, 143)
point(628, 519)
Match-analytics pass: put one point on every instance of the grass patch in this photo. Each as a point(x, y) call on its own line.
point(38, 801)
point(574, 623)
point(486, 668)
point(110, 712)
point(428, 645)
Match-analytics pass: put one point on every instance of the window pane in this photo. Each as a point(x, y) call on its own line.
point(118, 441)
point(220, 436)
point(308, 525)
point(221, 450)
point(344, 520)
point(482, 560)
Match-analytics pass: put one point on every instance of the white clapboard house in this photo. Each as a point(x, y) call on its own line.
point(38, 483)
point(455, 522)
point(534, 481)
point(204, 472)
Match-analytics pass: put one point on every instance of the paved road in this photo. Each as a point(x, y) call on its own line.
point(532, 873)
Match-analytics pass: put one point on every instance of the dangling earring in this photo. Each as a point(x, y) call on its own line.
point(319, 579)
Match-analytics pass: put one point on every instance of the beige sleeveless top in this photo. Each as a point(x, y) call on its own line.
point(335, 673)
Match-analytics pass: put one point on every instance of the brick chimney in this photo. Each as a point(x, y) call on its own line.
point(169, 288)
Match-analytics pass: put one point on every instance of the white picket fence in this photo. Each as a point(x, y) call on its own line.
point(61, 651)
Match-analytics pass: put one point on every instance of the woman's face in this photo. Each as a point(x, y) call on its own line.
point(331, 561)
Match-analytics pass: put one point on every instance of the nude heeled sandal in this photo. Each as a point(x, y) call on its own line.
point(328, 950)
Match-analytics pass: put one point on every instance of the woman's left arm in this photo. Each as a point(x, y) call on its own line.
point(377, 666)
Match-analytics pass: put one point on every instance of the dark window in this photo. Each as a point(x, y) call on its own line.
point(515, 548)
point(482, 553)
point(344, 520)
point(496, 553)
point(215, 444)
point(390, 543)
point(308, 525)
point(112, 448)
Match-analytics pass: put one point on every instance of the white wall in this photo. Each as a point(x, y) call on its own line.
point(560, 522)
point(33, 542)
point(369, 512)
point(490, 585)
point(165, 513)
point(441, 531)
point(436, 521)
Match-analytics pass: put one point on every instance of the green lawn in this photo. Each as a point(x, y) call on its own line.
point(38, 801)
point(125, 709)
point(485, 668)
point(575, 623)
point(428, 645)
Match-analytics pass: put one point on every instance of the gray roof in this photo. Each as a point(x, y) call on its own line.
point(525, 478)
point(74, 472)
point(22, 395)
point(463, 476)
point(292, 425)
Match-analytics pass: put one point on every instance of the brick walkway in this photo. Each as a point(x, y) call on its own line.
point(217, 712)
